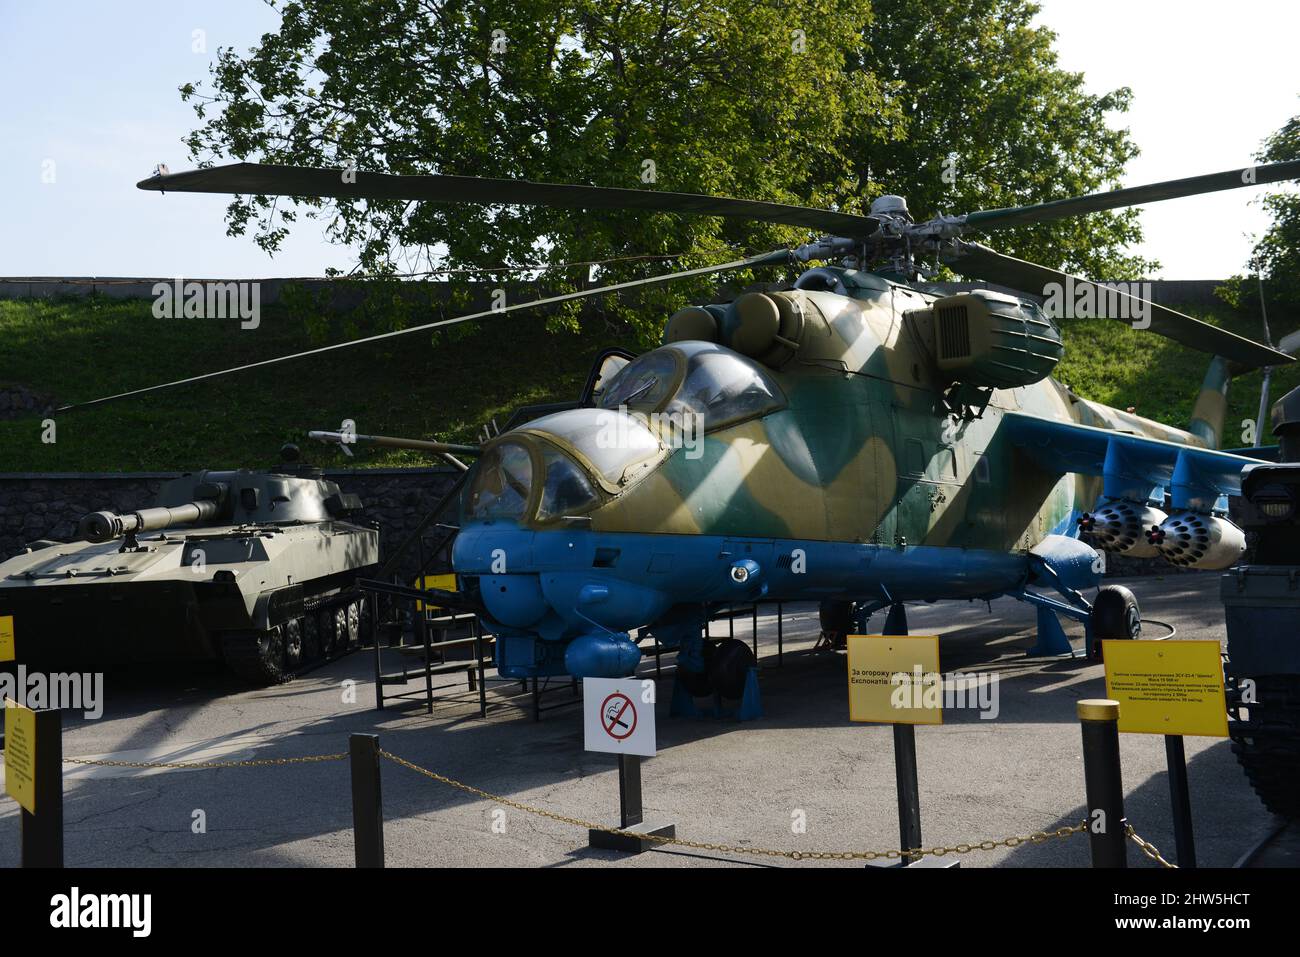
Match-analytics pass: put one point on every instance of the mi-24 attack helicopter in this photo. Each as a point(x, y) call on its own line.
point(857, 440)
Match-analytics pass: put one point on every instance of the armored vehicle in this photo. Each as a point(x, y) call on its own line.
point(1262, 602)
point(253, 568)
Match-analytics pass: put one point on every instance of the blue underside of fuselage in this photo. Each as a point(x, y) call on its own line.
point(544, 589)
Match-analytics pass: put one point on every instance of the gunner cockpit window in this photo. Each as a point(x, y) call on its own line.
point(502, 484)
point(700, 378)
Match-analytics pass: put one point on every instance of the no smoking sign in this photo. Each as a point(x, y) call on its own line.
point(619, 716)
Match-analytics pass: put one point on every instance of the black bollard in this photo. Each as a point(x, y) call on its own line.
point(367, 803)
point(1099, 719)
point(905, 777)
point(1180, 799)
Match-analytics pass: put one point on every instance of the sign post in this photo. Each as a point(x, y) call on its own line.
point(619, 718)
point(894, 679)
point(34, 778)
point(1171, 688)
point(7, 651)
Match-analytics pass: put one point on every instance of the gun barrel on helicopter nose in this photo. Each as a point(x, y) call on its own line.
point(104, 526)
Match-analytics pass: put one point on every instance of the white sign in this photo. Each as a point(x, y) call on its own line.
point(619, 715)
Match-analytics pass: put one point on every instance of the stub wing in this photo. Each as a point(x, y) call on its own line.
point(1131, 466)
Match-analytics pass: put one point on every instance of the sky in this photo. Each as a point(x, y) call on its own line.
point(88, 98)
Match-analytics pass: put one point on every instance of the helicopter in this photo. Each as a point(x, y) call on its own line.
point(860, 438)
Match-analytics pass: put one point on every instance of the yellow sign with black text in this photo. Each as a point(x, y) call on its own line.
point(1167, 687)
point(6, 637)
point(20, 755)
point(443, 582)
point(895, 679)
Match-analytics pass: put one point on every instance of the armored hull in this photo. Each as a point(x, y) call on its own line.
point(268, 590)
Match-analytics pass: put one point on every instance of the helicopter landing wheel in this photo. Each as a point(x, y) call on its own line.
point(729, 667)
point(1115, 614)
point(836, 620)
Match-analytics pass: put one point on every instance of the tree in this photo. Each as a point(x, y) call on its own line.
point(1276, 256)
point(806, 101)
point(984, 100)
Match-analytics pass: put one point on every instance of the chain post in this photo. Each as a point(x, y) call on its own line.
point(1103, 783)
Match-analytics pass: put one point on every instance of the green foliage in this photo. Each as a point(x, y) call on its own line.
point(1112, 363)
point(811, 102)
point(977, 82)
point(1276, 257)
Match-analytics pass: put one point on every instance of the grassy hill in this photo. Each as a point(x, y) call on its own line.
point(78, 349)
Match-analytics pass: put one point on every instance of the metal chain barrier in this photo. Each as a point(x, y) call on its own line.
point(1038, 837)
point(254, 763)
point(1149, 849)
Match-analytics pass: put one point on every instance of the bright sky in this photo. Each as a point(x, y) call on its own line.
point(91, 88)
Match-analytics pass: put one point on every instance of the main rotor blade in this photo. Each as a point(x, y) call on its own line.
point(775, 258)
point(267, 180)
point(1134, 195)
point(981, 262)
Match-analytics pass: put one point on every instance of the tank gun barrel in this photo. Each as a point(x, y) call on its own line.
point(395, 442)
point(103, 526)
point(447, 451)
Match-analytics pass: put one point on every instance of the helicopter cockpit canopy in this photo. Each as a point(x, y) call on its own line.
point(696, 378)
point(557, 466)
point(573, 453)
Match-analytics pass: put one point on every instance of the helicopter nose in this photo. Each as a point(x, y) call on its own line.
point(514, 600)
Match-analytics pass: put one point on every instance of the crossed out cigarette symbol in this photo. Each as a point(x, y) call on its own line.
point(618, 716)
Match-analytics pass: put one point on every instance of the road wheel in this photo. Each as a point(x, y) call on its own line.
point(1115, 614)
point(340, 629)
point(256, 656)
point(354, 623)
point(293, 643)
point(325, 629)
point(311, 649)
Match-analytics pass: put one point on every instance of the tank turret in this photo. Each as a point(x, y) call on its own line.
point(257, 568)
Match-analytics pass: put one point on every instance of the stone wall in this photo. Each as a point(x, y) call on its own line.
point(49, 505)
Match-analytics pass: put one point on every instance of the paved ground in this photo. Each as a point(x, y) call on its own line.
point(721, 782)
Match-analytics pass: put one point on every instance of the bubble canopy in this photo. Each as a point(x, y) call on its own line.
point(573, 452)
point(556, 466)
point(701, 378)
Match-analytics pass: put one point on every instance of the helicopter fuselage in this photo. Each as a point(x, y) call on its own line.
point(849, 479)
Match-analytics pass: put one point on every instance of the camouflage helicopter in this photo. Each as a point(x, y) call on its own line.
point(859, 439)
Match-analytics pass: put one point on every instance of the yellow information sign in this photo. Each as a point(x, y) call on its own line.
point(6, 637)
point(895, 679)
point(444, 582)
point(20, 754)
point(1167, 687)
